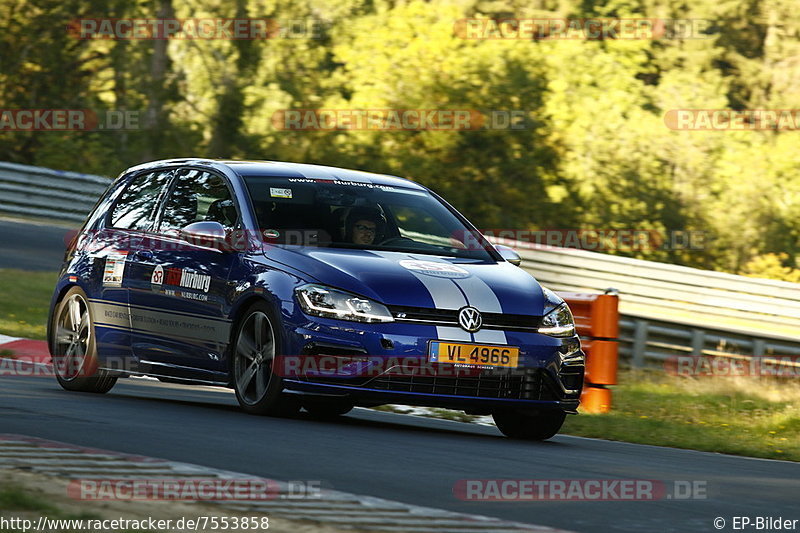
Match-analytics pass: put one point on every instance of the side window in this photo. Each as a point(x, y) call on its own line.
point(101, 207)
point(134, 210)
point(198, 196)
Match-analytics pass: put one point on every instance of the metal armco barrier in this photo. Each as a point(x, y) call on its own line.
point(676, 310)
point(597, 322)
point(54, 194)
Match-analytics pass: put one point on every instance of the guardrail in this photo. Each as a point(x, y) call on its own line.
point(43, 192)
point(677, 310)
point(650, 341)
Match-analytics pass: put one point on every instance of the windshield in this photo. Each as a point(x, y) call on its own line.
point(345, 214)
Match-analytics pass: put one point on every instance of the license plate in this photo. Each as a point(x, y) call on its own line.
point(473, 354)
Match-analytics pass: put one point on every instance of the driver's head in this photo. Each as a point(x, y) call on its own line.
point(363, 225)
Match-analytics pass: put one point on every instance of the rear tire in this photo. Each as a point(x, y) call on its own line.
point(529, 426)
point(254, 346)
point(74, 346)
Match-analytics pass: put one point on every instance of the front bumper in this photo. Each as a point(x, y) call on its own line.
point(375, 364)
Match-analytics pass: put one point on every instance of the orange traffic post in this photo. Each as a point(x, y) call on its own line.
point(596, 400)
point(597, 322)
point(601, 361)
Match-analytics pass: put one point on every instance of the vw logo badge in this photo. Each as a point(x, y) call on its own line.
point(470, 319)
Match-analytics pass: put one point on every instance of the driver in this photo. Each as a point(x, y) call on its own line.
point(364, 225)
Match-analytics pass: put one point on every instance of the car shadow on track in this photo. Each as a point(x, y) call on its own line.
point(223, 401)
point(219, 401)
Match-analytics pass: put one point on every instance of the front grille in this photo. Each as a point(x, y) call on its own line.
point(528, 385)
point(448, 317)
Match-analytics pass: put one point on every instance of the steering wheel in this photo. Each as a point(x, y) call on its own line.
point(395, 240)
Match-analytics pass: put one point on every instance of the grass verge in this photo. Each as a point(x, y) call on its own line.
point(15, 498)
point(757, 417)
point(21, 498)
point(739, 416)
point(24, 302)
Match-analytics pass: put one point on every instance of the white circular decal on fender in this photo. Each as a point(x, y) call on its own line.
point(432, 268)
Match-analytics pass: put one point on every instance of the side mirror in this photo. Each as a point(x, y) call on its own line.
point(207, 234)
point(509, 254)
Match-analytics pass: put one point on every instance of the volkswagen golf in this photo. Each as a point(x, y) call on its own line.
point(313, 287)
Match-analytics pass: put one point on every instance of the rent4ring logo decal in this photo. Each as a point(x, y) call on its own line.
point(180, 277)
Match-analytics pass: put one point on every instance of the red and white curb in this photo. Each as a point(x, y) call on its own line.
point(330, 507)
point(24, 357)
point(25, 349)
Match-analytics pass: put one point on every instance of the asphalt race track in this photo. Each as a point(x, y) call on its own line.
point(397, 457)
point(31, 246)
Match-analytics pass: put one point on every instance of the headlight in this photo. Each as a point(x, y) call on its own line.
point(557, 321)
point(319, 300)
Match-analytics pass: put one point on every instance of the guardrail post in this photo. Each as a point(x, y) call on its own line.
point(698, 342)
point(759, 347)
point(639, 343)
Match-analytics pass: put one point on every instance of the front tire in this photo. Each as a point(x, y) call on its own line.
point(259, 390)
point(529, 426)
point(74, 346)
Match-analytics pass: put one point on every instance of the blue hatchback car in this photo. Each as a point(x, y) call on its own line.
point(304, 286)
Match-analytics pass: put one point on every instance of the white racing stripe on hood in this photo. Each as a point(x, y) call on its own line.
point(448, 293)
point(445, 295)
point(481, 296)
point(450, 333)
point(491, 336)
